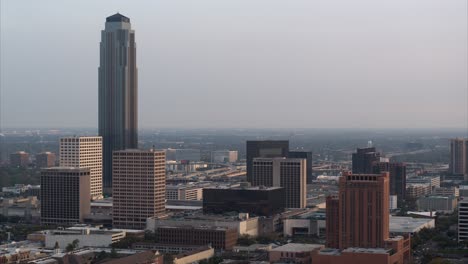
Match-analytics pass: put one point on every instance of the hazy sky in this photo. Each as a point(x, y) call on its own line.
point(243, 63)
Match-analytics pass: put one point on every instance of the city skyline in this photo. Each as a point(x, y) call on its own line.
point(191, 77)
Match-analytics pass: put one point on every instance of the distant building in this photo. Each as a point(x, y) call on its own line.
point(363, 160)
point(222, 156)
point(357, 220)
point(184, 166)
point(463, 191)
point(84, 152)
point(219, 237)
point(283, 172)
point(446, 191)
point(264, 149)
point(139, 186)
point(393, 202)
point(307, 155)
point(45, 160)
point(463, 219)
point(397, 176)
point(65, 195)
point(183, 154)
point(19, 159)
point(294, 253)
point(182, 192)
point(416, 190)
point(434, 181)
point(261, 201)
point(443, 204)
point(459, 157)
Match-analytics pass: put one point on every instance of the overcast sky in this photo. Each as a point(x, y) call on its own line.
point(243, 63)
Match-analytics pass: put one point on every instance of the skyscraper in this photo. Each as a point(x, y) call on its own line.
point(283, 172)
point(363, 160)
point(84, 152)
point(397, 172)
point(459, 157)
point(265, 149)
point(304, 155)
point(139, 187)
point(64, 195)
point(361, 212)
point(118, 104)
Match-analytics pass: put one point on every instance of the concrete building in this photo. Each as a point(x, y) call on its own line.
point(45, 160)
point(397, 176)
point(194, 256)
point(363, 160)
point(283, 172)
point(219, 237)
point(26, 208)
point(264, 149)
point(118, 91)
point(183, 154)
point(65, 193)
point(261, 201)
point(434, 181)
point(184, 193)
point(463, 219)
point(393, 199)
point(87, 237)
point(19, 159)
point(463, 191)
point(84, 152)
point(446, 191)
point(416, 190)
point(307, 155)
point(357, 220)
point(401, 225)
point(243, 223)
point(183, 166)
point(139, 187)
point(442, 204)
point(459, 157)
point(294, 253)
point(146, 257)
point(223, 156)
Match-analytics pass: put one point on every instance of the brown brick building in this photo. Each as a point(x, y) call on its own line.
point(218, 237)
point(19, 159)
point(138, 186)
point(45, 160)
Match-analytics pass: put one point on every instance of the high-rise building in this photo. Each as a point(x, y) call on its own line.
point(359, 215)
point(463, 219)
point(224, 156)
point(118, 104)
point(397, 176)
point(264, 149)
point(19, 159)
point(304, 155)
point(139, 187)
point(84, 152)
point(45, 160)
point(363, 160)
point(64, 195)
point(283, 172)
point(459, 157)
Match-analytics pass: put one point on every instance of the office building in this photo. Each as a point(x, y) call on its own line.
point(139, 187)
point(416, 190)
point(191, 155)
point(261, 201)
point(359, 215)
point(264, 149)
point(364, 159)
point(219, 237)
point(442, 204)
point(65, 193)
point(294, 253)
point(433, 181)
point(459, 157)
point(184, 193)
point(84, 152)
point(463, 219)
point(397, 176)
point(447, 191)
point(118, 91)
point(223, 156)
point(282, 172)
point(463, 191)
point(45, 160)
point(19, 159)
point(307, 155)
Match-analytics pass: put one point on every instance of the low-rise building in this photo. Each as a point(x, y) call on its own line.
point(443, 204)
point(26, 208)
point(416, 190)
point(446, 191)
point(432, 180)
point(401, 225)
point(194, 256)
point(222, 156)
point(294, 253)
point(19, 159)
point(218, 237)
point(184, 192)
point(87, 237)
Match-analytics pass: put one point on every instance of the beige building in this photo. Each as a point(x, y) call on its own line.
point(84, 152)
point(194, 256)
point(138, 187)
point(64, 195)
point(45, 160)
point(181, 192)
point(283, 172)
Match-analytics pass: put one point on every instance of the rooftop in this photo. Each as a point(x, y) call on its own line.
point(118, 18)
point(295, 247)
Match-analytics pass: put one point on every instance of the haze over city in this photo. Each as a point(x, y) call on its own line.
point(252, 64)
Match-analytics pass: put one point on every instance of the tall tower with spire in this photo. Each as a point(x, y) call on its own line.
point(118, 91)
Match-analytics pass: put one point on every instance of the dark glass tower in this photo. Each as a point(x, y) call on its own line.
point(118, 87)
point(364, 159)
point(264, 149)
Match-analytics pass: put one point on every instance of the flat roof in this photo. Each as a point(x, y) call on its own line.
point(367, 250)
point(296, 247)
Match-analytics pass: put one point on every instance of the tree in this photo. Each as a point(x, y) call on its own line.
point(113, 253)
